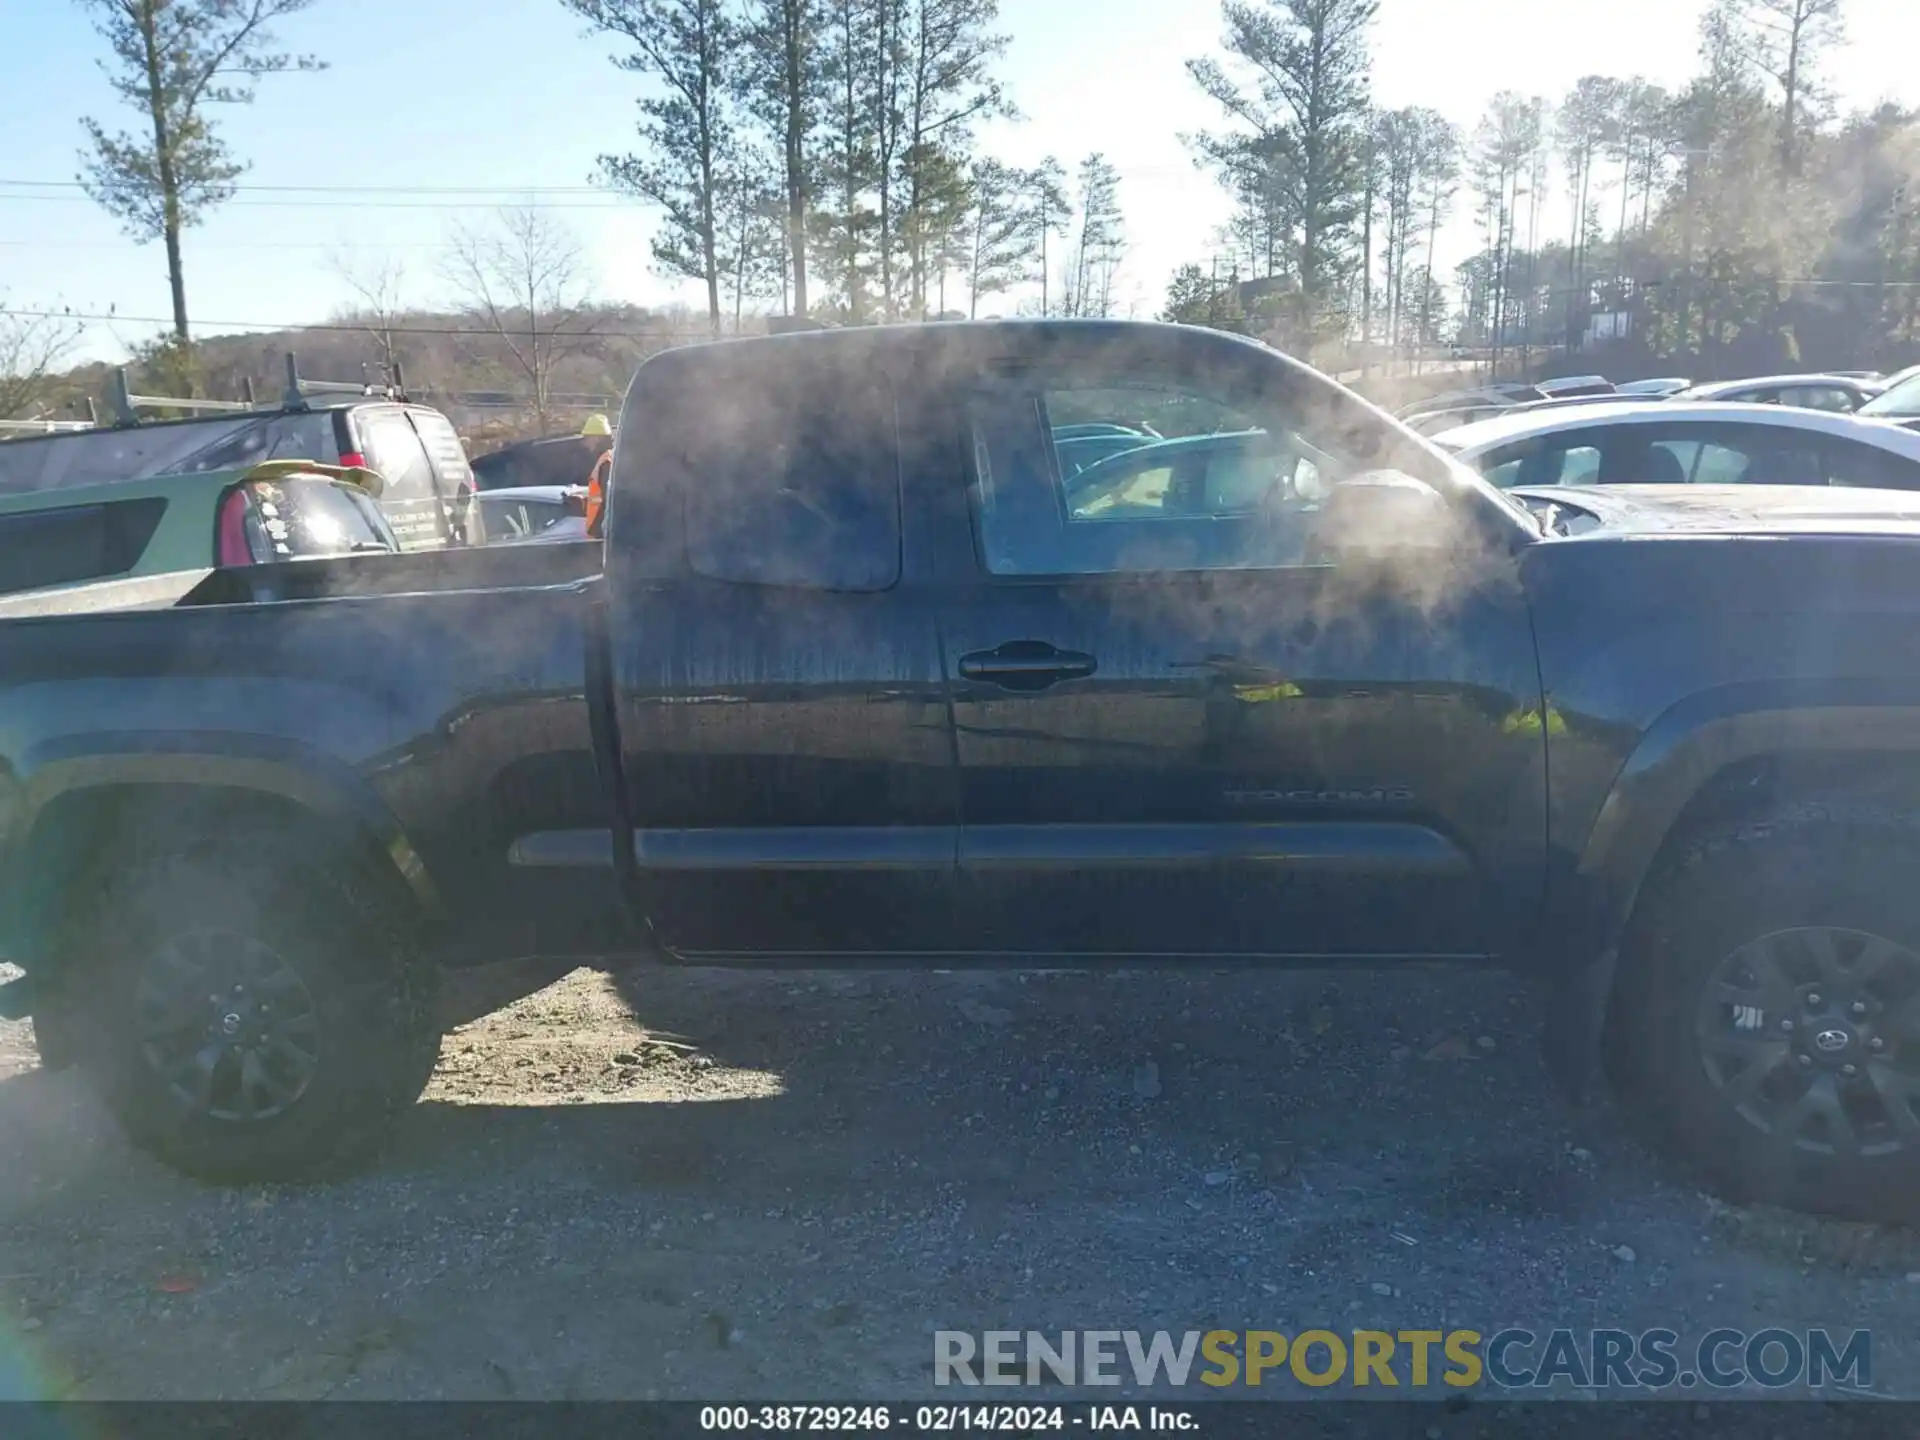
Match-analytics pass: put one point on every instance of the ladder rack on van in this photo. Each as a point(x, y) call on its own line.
point(127, 405)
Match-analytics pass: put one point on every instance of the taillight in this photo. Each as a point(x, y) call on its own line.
point(354, 460)
point(232, 546)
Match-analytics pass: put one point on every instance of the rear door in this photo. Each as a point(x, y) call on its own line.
point(385, 436)
point(453, 475)
point(785, 746)
point(1181, 733)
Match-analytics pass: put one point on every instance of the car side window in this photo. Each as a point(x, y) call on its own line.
point(1818, 397)
point(1762, 455)
point(1574, 464)
point(1139, 476)
point(1862, 466)
point(1719, 465)
point(1686, 454)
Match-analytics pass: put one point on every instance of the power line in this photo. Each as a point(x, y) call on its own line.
point(352, 204)
point(368, 328)
point(357, 189)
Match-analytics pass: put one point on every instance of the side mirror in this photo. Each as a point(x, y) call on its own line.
point(1384, 514)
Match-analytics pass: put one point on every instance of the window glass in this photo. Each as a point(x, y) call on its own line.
point(1817, 397)
point(1576, 465)
point(1686, 454)
point(391, 447)
point(506, 516)
point(77, 543)
point(797, 484)
point(1897, 402)
point(1850, 463)
point(1506, 474)
point(1140, 476)
point(444, 450)
point(1762, 455)
point(102, 456)
point(1719, 465)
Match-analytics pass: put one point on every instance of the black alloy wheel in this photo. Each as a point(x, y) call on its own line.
point(1813, 1036)
point(227, 1026)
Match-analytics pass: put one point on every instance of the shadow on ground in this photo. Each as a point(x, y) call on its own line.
point(725, 1184)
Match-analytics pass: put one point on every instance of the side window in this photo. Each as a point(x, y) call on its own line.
point(1184, 480)
point(1686, 454)
point(1719, 465)
point(793, 485)
point(1576, 464)
point(84, 542)
point(1503, 468)
point(1853, 464)
point(1769, 455)
point(1817, 397)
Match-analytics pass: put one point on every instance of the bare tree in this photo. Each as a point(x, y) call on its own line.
point(171, 59)
point(32, 347)
point(523, 281)
point(378, 283)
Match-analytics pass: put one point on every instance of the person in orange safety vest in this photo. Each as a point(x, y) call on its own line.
point(595, 428)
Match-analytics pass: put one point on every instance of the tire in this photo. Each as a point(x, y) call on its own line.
point(1767, 1023)
point(296, 1069)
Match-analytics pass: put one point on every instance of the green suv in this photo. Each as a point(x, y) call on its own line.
point(55, 541)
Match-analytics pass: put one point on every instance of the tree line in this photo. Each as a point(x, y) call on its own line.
point(820, 157)
point(823, 159)
point(1738, 221)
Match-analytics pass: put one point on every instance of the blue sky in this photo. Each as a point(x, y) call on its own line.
point(508, 96)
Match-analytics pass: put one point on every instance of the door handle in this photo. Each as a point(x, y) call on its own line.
point(1026, 665)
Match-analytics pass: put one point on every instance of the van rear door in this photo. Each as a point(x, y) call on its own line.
point(415, 506)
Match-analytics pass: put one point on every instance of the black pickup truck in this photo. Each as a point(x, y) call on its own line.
point(1084, 643)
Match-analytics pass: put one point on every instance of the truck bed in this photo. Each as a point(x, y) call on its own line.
point(414, 572)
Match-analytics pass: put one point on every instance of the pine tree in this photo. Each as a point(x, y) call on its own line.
point(171, 61)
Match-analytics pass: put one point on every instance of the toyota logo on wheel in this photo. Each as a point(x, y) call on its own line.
point(1832, 1041)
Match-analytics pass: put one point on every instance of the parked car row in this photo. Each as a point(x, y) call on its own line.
point(1844, 392)
point(1673, 442)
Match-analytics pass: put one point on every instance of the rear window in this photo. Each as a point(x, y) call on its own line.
point(101, 457)
point(793, 480)
point(412, 499)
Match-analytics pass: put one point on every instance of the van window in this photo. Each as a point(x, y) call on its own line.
point(388, 442)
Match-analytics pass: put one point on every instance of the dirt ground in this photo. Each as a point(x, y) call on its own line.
point(728, 1185)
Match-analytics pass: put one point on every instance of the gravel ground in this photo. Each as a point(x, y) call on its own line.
point(705, 1184)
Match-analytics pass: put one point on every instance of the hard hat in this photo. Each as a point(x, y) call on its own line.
point(595, 427)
